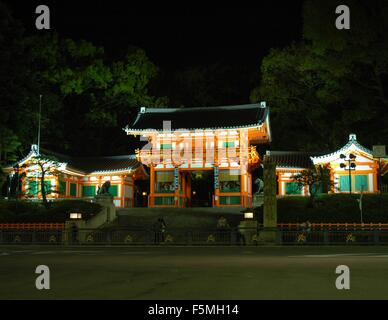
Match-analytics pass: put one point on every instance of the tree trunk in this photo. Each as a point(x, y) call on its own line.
point(311, 202)
point(43, 190)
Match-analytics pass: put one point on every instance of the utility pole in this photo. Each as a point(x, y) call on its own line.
point(39, 121)
point(39, 125)
point(360, 203)
point(350, 166)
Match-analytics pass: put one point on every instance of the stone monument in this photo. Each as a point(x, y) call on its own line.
point(269, 232)
point(107, 214)
point(258, 196)
point(105, 199)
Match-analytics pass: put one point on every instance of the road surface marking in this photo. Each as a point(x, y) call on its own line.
point(336, 255)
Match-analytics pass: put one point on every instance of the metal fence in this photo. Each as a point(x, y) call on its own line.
point(336, 237)
point(121, 236)
point(191, 237)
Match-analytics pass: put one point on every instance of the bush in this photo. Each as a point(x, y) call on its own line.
point(17, 211)
point(62, 209)
point(25, 211)
point(332, 209)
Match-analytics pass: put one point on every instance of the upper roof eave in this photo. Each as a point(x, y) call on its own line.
point(200, 118)
point(128, 130)
point(352, 142)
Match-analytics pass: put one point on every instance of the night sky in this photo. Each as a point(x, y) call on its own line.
point(175, 35)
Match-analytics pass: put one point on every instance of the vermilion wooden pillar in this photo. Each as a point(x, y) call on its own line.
point(152, 186)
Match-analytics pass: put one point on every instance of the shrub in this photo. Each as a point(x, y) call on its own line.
point(25, 211)
point(332, 209)
point(62, 209)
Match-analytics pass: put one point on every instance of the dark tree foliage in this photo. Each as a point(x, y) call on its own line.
point(216, 84)
point(86, 95)
point(320, 89)
point(316, 179)
point(331, 83)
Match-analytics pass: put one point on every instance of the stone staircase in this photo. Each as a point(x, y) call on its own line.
point(199, 210)
point(195, 217)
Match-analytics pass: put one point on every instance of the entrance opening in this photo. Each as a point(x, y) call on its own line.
point(202, 188)
point(141, 192)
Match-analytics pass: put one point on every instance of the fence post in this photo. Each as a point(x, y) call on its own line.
point(108, 236)
point(151, 236)
point(189, 237)
point(326, 237)
point(233, 237)
point(279, 237)
point(376, 236)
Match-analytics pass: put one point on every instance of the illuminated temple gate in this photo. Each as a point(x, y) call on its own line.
point(215, 144)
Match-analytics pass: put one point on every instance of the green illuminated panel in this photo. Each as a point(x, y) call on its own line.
point(230, 200)
point(293, 188)
point(361, 181)
point(344, 183)
point(164, 201)
point(62, 188)
point(73, 189)
point(88, 191)
point(114, 190)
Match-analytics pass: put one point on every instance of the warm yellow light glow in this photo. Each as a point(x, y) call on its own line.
point(75, 215)
point(248, 215)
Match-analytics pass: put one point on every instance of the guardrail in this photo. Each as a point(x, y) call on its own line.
point(335, 226)
point(335, 237)
point(37, 226)
point(120, 236)
point(281, 226)
point(248, 236)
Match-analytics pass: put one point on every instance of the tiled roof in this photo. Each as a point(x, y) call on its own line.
point(352, 142)
point(291, 159)
point(200, 118)
point(88, 165)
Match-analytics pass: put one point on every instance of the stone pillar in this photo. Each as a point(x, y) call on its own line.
point(107, 214)
point(106, 201)
point(270, 209)
point(248, 232)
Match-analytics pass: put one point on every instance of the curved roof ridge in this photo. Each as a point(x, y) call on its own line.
point(352, 141)
point(208, 108)
point(93, 164)
point(191, 118)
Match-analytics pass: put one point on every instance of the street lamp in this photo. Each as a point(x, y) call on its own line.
point(350, 165)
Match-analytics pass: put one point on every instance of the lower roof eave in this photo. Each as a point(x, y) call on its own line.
point(289, 169)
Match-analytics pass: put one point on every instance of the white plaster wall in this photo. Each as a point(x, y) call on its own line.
point(128, 192)
point(128, 179)
point(358, 168)
point(370, 182)
point(283, 188)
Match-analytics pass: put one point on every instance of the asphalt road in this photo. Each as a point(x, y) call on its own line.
point(87, 272)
